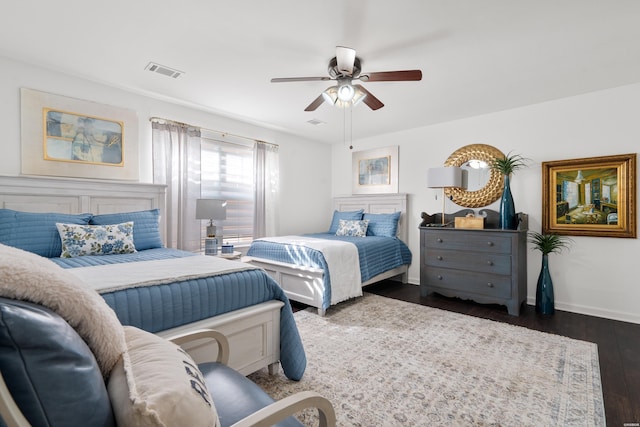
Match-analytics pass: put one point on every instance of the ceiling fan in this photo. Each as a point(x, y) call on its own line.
point(344, 68)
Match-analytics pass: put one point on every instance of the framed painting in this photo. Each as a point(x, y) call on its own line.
point(590, 197)
point(70, 137)
point(375, 171)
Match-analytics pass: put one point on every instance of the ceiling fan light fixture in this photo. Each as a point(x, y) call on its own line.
point(346, 92)
point(358, 97)
point(331, 95)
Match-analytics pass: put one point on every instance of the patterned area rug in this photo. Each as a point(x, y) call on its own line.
point(384, 362)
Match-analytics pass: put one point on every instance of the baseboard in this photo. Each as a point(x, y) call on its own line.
point(593, 311)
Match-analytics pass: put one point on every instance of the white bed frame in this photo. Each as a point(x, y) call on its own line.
point(304, 284)
point(253, 332)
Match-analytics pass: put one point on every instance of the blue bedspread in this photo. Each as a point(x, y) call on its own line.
point(161, 307)
point(376, 254)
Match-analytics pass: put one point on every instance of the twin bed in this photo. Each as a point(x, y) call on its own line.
point(167, 291)
point(304, 271)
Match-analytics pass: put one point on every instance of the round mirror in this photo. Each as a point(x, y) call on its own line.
point(484, 185)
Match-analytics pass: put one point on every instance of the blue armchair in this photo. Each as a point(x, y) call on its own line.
point(50, 377)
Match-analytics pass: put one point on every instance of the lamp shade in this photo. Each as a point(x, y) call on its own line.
point(211, 209)
point(443, 177)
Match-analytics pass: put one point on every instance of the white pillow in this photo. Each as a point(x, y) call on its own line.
point(79, 240)
point(156, 383)
point(352, 228)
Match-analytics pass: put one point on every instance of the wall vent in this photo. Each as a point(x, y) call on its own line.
point(165, 71)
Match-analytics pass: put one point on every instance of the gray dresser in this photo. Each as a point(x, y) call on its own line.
point(483, 265)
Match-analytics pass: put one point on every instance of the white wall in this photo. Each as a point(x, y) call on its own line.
point(305, 176)
point(598, 276)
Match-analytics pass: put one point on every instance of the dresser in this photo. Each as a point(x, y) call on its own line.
point(483, 265)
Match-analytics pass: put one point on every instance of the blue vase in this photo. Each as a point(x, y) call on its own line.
point(544, 289)
point(508, 218)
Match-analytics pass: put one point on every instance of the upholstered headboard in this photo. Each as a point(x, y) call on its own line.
point(377, 204)
point(71, 196)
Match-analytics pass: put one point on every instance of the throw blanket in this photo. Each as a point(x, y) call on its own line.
point(342, 259)
point(30, 277)
point(114, 277)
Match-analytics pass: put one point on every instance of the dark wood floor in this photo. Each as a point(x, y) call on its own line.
point(618, 342)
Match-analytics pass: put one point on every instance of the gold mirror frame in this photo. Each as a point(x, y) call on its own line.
point(492, 189)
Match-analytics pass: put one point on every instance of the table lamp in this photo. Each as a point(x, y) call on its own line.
point(211, 209)
point(445, 177)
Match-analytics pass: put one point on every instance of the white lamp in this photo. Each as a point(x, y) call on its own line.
point(211, 209)
point(445, 177)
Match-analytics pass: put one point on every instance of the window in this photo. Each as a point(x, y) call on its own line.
point(227, 173)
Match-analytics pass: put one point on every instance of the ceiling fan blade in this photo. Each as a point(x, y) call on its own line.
point(299, 79)
point(315, 104)
point(345, 57)
point(393, 76)
point(373, 102)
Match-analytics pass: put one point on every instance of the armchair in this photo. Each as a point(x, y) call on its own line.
point(50, 377)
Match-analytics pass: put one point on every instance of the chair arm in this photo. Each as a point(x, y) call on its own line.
point(290, 405)
point(218, 337)
point(9, 410)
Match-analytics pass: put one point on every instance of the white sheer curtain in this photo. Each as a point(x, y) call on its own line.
point(266, 170)
point(176, 163)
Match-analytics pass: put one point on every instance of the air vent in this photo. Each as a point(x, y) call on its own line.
point(316, 122)
point(165, 71)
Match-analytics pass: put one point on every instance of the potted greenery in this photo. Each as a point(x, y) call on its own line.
point(546, 244)
point(506, 166)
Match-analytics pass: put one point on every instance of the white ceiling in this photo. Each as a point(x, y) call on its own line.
point(477, 56)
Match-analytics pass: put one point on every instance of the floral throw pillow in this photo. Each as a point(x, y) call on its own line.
point(353, 228)
point(79, 240)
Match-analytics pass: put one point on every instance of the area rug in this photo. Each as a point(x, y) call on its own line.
point(384, 362)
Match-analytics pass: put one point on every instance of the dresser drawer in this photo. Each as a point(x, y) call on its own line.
point(482, 262)
point(489, 285)
point(461, 240)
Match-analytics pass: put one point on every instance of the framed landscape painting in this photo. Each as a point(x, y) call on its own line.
point(590, 197)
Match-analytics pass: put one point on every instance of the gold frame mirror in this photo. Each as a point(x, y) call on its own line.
point(491, 191)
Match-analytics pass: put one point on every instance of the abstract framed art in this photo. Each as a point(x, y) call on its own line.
point(590, 197)
point(375, 171)
point(69, 137)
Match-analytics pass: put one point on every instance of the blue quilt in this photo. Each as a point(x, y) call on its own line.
point(376, 254)
point(161, 307)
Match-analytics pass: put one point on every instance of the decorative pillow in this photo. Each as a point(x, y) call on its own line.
point(79, 240)
point(146, 231)
point(383, 224)
point(352, 228)
point(36, 232)
point(348, 215)
point(158, 384)
point(30, 277)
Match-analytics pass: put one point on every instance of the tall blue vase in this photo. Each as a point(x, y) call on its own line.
point(508, 219)
point(544, 289)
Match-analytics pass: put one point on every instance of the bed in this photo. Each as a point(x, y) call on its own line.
point(307, 273)
point(242, 301)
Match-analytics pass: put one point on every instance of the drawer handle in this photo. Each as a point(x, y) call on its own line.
point(439, 258)
point(439, 240)
point(490, 285)
point(439, 277)
point(489, 262)
point(489, 243)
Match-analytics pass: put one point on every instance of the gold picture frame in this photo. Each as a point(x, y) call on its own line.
point(592, 196)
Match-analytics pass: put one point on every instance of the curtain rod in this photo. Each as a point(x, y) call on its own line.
point(157, 119)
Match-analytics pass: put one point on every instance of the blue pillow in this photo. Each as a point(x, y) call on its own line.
point(36, 232)
point(146, 231)
point(348, 215)
point(383, 224)
point(49, 370)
